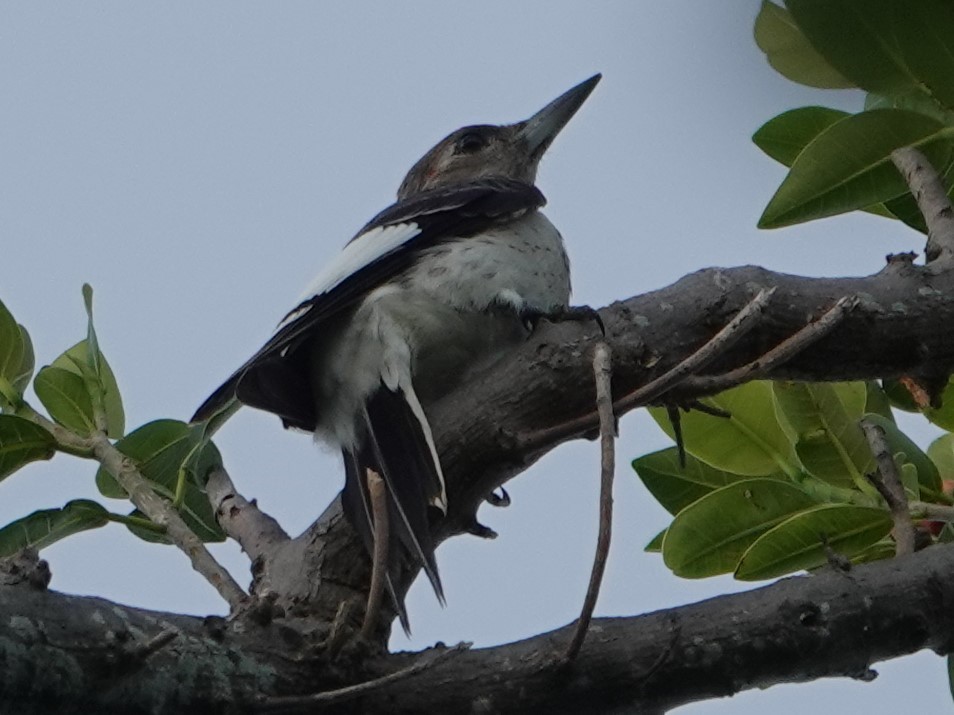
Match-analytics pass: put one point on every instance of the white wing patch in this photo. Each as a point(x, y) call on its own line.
point(362, 251)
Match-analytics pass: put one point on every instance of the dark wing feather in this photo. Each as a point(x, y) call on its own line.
point(450, 212)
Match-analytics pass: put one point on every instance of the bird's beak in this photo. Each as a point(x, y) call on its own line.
point(541, 129)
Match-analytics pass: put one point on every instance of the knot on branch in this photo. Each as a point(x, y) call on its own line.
point(25, 568)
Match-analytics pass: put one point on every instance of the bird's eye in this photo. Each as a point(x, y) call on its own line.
point(470, 143)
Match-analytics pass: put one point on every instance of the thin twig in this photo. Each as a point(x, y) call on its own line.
point(780, 354)
point(66, 441)
point(890, 487)
point(255, 531)
point(339, 626)
point(160, 511)
point(931, 511)
point(735, 329)
point(603, 374)
point(379, 563)
point(334, 697)
point(929, 191)
point(145, 499)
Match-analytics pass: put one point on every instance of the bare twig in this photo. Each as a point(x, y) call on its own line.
point(161, 512)
point(339, 633)
point(66, 441)
point(742, 323)
point(890, 487)
point(334, 697)
point(781, 353)
point(929, 191)
point(931, 512)
point(145, 499)
point(255, 531)
point(603, 374)
point(379, 561)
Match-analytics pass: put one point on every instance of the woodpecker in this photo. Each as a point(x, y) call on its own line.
point(451, 274)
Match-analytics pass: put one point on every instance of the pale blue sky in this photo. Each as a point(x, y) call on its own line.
point(197, 162)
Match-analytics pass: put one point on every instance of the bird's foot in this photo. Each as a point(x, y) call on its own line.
point(572, 313)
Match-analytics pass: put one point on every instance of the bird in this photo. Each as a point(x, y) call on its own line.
point(455, 272)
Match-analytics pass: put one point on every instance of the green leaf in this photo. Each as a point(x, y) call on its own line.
point(899, 396)
point(21, 377)
point(909, 477)
point(950, 673)
point(749, 443)
point(823, 417)
point(941, 452)
point(884, 549)
point(161, 448)
point(914, 100)
point(790, 53)
point(11, 347)
point(924, 31)
point(64, 395)
point(798, 543)
point(710, 536)
point(42, 528)
point(147, 531)
point(848, 166)
point(78, 360)
point(943, 416)
point(674, 486)
point(859, 39)
point(899, 442)
point(877, 401)
point(22, 442)
point(784, 137)
point(655, 546)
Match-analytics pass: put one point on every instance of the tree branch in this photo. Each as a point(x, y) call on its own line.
point(888, 483)
point(901, 321)
point(929, 191)
point(255, 531)
point(803, 628)
point(142, 495)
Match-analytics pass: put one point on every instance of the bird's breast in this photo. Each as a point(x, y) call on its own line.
point(457, 309)
point(520, 264)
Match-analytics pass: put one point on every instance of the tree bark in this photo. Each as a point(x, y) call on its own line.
point(831, 624)
point(72, 654)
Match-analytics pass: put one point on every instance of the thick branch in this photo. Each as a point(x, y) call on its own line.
point(800, 629)
point(901, 322)
point(929, 191)
point(255, 531)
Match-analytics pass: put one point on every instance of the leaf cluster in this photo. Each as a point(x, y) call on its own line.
point(902, 55)
point(81, 397)
point(781, 484)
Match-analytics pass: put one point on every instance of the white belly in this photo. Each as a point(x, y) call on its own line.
point(522, 265)
point(459, 305)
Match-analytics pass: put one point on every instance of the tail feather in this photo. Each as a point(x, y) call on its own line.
point(395, 442)
point(398, 441)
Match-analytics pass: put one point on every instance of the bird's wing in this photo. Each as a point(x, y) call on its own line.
point(387, 245)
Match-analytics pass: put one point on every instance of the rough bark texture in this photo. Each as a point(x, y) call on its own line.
point(54, 649)
point(71, 654)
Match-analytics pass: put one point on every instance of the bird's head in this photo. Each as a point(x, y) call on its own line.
point(510, 150)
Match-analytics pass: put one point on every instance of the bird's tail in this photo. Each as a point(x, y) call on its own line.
point(396, 442)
